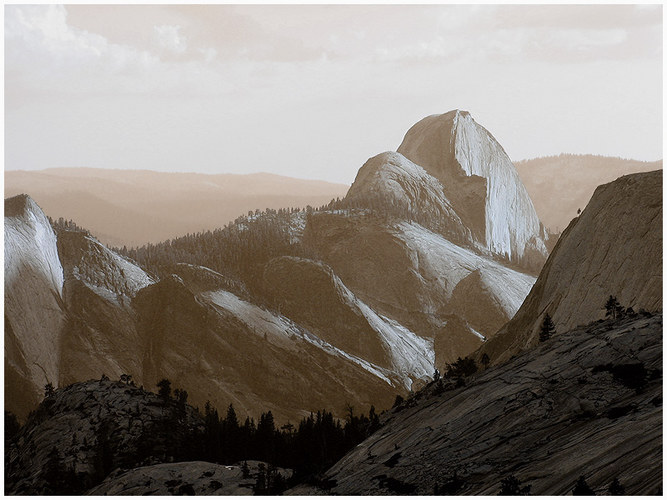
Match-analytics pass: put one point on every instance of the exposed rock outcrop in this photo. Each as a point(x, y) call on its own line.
point(398, 186)
point(184, 478)
point(34, 314)
point(587, 402)
point(95, 427)
point(613, 248)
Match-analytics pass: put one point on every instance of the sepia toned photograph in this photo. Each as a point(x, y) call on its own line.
point(343, 249)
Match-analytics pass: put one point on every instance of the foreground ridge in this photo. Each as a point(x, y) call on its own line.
point(587, 402)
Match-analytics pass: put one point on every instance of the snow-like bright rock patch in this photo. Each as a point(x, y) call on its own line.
point(279, 329)
point(443, 264)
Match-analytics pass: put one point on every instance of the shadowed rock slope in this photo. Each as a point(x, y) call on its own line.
point(84, 431)
point(613, 248)
point(587, 402)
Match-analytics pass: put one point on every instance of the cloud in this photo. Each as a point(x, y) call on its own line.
point(44, 54)
point(170, 38)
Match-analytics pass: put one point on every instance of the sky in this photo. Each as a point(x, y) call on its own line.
point(313, 91)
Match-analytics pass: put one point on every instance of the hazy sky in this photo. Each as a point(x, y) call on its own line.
point(314, 91)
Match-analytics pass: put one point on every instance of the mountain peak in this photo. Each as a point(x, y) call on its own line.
point(481, 183)
point(19, 205)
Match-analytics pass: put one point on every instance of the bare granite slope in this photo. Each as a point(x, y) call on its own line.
point(34, 313)
point(587, 402)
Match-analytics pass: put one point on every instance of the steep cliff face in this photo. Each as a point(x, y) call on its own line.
point(613, 248)
point(33, 303)
point(481, 183)
point(100, 336)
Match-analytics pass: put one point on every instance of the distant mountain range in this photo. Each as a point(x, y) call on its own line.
point(135, 207)
point(561, 185)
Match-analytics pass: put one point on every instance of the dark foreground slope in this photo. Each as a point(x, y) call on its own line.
point(80, 433)
point(587, 402)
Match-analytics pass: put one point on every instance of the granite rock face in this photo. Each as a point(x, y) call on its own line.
point(613, 248)
point(587, 402)
point(406, 272)
point(309, 293)
point(34, 314)
point(481, 183)
point(395, 183)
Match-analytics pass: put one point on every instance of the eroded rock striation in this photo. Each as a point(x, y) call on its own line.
point(587, 402)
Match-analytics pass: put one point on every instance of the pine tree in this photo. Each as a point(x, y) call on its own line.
point(616, 488)
point(582, 488)
point(485, 360)
point(49, 391)
point(613, 307)
point(548, 328)
point(165, 389)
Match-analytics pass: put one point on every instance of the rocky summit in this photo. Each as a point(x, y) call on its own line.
point(481, 182)
point(79, 434)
